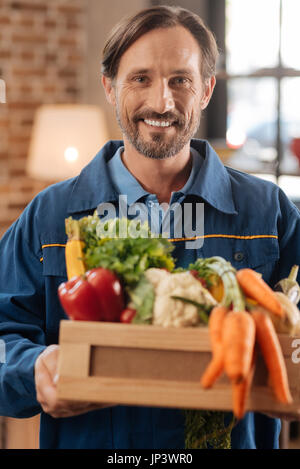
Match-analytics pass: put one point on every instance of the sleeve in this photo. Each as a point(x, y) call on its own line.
point(289, 237)
point(22, 336)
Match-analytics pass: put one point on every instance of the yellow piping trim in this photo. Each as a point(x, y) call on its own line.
point(53, 245)
point(190, 239)
point(50, 246)
point(224, 236)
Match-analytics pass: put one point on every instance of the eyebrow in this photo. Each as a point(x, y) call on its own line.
point(139, 71)
point(180, 71)
point(183, 71)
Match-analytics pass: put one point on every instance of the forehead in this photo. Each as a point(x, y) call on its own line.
point(163, 48)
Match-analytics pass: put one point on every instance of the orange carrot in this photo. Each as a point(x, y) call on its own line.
point(272, 354)
point(255, 287)
point(238, 342)
point(216, 365)
point(240, 392)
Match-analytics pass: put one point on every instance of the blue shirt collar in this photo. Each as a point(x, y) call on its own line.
point(125, 183)
point(94, 184)
point(212, 183)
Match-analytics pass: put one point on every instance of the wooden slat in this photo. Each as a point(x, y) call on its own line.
point(148, 365)
point(137, 336)
point(165, 394)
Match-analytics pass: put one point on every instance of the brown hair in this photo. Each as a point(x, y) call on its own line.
point(128, 30)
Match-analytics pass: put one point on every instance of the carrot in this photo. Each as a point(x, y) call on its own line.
point(238, 341)
point(240, 392)
point(216, 365)
point(272, 354)
point(255, 287)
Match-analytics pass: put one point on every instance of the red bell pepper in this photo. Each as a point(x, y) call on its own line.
point(127, 315)
point(79, 300)
point(109, 292)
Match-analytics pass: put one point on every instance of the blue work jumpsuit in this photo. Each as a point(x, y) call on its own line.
point(248, 221)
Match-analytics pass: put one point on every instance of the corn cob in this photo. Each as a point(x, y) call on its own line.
point(74, 249)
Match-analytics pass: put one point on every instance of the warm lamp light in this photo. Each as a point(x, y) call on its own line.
point(235, 137)
point(65, 138)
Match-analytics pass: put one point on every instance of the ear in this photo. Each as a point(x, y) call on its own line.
point(109, 90)
point(208, 91)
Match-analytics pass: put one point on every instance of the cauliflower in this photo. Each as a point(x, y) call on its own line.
point(155, 276)
point(169, 312)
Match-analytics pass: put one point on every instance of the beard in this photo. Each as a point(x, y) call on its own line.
point(160, 146)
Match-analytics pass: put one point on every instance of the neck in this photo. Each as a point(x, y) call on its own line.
point(159, 177)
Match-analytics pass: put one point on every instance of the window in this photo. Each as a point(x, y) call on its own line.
point(259, 74)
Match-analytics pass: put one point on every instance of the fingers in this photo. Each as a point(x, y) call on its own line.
point(45, 382)
point(50, 359)
point(45, 389)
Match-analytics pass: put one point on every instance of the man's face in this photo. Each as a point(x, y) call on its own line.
point(158, 93)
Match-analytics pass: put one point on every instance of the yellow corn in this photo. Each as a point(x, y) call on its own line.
point(74, 250)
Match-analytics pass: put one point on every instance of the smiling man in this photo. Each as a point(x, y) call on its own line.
point(158, 94)
point(159, 74)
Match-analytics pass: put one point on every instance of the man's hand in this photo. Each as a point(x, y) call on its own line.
point(45, 383)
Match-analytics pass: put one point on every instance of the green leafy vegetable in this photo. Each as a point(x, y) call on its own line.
point(142, 298)
point(207, 429)
point(125, 246)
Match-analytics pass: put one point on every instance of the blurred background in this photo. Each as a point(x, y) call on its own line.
point(54, 117)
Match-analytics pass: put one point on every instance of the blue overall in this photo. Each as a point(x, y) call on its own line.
point(248, 221)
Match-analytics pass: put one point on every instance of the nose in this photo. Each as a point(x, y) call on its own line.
point(161, 97)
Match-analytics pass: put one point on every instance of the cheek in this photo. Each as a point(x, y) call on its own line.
point(191, 107)
point(128, 102)
point(187, 101)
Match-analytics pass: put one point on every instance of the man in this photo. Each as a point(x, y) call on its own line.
point(159, 74)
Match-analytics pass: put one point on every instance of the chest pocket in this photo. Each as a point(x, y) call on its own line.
point(258, 253)
point(54, 259)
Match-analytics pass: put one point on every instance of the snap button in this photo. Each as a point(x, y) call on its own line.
point(238, 256)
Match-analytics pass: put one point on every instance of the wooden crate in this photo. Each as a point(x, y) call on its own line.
point(155, 366)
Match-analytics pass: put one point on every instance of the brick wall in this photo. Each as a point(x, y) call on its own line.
point(42, 49)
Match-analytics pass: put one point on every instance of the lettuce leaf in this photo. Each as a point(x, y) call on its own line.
point(129, 256)
point(142, 298)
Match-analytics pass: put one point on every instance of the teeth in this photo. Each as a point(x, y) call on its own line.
point(158, 123)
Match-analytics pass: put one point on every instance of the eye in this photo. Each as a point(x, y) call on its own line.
point(140, 79)
point(180, 81)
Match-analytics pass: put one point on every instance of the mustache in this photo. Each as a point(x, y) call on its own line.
point(166, 116)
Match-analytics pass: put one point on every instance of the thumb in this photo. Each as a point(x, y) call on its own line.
point(50, 359)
